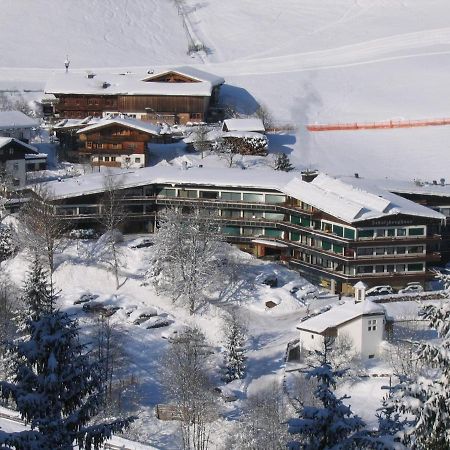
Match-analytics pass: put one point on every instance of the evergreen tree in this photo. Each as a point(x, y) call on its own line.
point(390, 422)
point(7, 247)
point(332, 425)
point(283, 163)
point(234, 349)
point(427, 398)
point(56, 388)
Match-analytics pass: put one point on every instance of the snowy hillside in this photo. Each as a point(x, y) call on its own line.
point(307, 61)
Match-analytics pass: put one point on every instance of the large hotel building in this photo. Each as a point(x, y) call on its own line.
point(331, 231)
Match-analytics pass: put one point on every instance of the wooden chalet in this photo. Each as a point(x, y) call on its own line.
point(174, 96)
point(117, 142)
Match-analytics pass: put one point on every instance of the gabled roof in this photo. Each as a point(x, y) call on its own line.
point(339, 315)
point(128, 122)
point(127, 83)
point(190, 72)
point(4, 141)
point(16, 119)
point(252, 124)
point(76, 123)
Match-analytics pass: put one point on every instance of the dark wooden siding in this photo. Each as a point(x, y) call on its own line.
point(163, 104)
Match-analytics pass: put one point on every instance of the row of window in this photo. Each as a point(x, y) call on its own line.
point(386, 251)
point(249, 231)
point(113, 146)
point(390, 232)
point(127, 159)
point(338, 230)
point(248, 197)
point(391, 268)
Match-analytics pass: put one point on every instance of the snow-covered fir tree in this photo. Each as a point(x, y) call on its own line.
point(426, 398)
point(332, 425)
point(55, 386)
point(234, 348)
point(7, 246)
point(390, 421)
point(283, 163)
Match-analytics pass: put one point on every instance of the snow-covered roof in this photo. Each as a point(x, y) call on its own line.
point(76, 123)
point(7, 140)
point(340, 314)
point(405, 187)
point(127, 83)
point(322, 193)
point(36, 156)
point(243, 134)
point(253, 124)
point(128, 122)
point(16, 119)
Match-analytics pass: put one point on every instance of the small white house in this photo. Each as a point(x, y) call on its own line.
point(16, 124)
point(362, 322)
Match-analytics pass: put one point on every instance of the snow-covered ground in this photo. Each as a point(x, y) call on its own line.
point(79, 271)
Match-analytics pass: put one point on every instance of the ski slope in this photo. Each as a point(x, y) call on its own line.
point(307, 61)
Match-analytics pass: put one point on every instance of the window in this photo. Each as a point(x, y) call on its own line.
point(254, 198)
point(416, 231)
point(249, 231)
point(379, 269)
point(379, 251)
point(365, 251)
point(274, 216)
point(273, 233)
point(401, 250)
point(89, 144)
point(127, 159)
point(389, 250)
point(113, 158)
point(372, 325)
point(391, 232)
point(338, 230)
point(106, 158)
point(16, 167)
point(390, 268)
point(233, 196)
point(167, 192)
point(312, 336)
point(415, 267)
point(295, 236)
point(253, 214)
point(338, 249)
point(416, 249)
point(365, 269)
point(209, 195)
point(365, 234)
point(232, 231)
point(137, 160)
point(380, 232)
point(273, 198)
point(326, 245)
point(401, 232)
point(400, 268)
point(349, 233)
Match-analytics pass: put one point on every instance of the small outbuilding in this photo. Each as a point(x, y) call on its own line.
point(363, 323)
point(17, 125)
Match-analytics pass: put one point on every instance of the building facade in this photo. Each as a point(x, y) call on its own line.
point(177, 96)
point(117, 142)
point(15, 157)
point(331, 234)
point(17, 125)
point(362, 326)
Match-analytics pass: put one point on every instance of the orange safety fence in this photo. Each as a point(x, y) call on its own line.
point(378, 125)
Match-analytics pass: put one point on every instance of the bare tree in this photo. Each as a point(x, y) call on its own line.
point(188, 256)
point(263, 423)
point(41, 228)
point(201, 142)
point(226, 151)
point(265, 115)
point(112, 216)
point(186, 382)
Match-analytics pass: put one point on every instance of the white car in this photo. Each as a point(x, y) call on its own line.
point(411, 289)
point(380, 290)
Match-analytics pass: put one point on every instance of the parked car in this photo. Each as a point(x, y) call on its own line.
point(271, 281)
point(87, 297)
point(380, 290)
point(309, 292)
point(100, 308)
point(411, 288)
point(142, 315)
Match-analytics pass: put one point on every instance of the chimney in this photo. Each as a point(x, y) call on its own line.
point(67, 63)
point(309, 175)
point(356, 175)
point(442, 180)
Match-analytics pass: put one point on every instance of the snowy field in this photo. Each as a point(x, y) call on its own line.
point(307, 61)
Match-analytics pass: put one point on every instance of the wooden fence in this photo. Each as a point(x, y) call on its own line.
point(388, 124)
